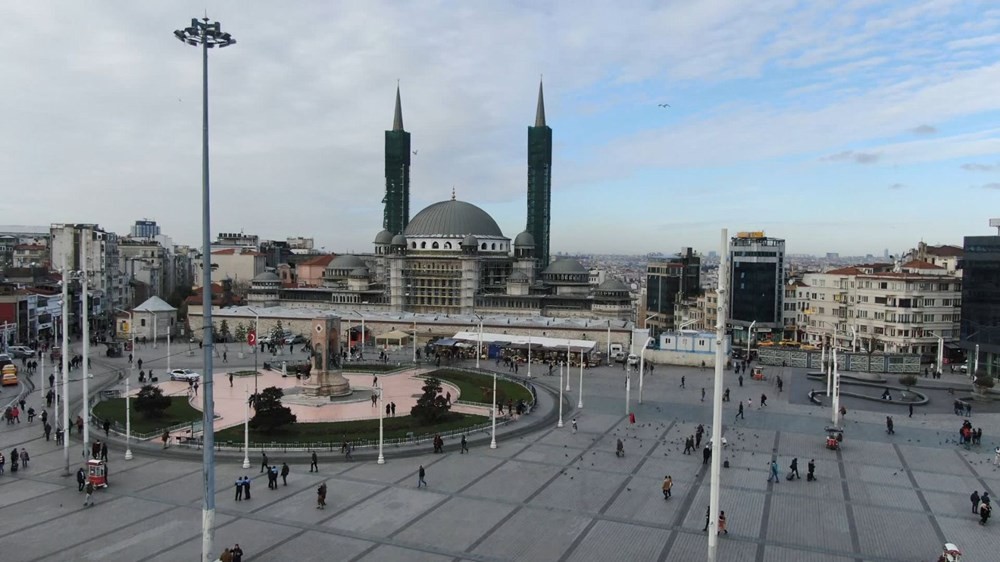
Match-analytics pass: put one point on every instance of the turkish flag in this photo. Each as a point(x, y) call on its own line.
point(251, 338)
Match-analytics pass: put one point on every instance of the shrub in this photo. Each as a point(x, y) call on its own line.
point(269, 414)
point(984, 381)
point(907, 380)
point(150, 402)
point(431, 407)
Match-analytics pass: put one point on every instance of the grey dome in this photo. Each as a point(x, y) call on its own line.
point(384, 237)
point(525, 239)
point(518, 277)
point(346, 261)
point(565, 265)
point(359, 272)
point(266, 277)
point(453, 218)
point(470, 240)
point(398, 240)
point(613, 285)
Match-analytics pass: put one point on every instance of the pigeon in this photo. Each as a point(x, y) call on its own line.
point(664, 105)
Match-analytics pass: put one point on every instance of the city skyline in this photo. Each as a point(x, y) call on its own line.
point(840, 128)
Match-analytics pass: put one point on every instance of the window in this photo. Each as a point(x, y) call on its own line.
point(142, 322)
point(423, 245)
point(434, 246)
point(483, 247)
point(494, 246)
point(447, 245)
point(413, 245)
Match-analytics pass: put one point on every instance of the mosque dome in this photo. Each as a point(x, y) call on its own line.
point(453, 218)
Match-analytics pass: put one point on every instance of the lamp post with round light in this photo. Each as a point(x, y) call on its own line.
point(207, 35)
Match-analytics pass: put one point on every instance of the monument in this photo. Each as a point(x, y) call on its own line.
point(326, 378)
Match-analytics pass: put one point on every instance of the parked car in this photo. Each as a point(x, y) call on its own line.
point(21, 351)
point(964, 368)
point(633, 359)
point(293, 339)
point(619, 356)
point(186, 375)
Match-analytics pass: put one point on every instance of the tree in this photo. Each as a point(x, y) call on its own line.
point(224, 330)
point(240, 333)
point(907, 381)
point(277, 333)
point(269, 413)
point(431, 407)
point(150, 402)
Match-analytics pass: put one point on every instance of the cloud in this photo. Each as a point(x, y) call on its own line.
point(993, 185)
point(973, 167)
point(924, 130)
point(856, 157)
point(896, 186)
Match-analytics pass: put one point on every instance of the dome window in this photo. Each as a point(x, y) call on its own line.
point(434, 246)
point(447, 245)
point(423, 245)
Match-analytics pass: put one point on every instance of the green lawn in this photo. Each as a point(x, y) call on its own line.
point(354, 431)
point(179, 411)
point(477, 388)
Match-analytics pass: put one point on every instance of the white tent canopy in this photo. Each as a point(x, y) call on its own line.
point(587, 346)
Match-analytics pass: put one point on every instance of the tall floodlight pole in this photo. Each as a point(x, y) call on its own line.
point(609, 343)
point(207, 35)
point(579, 402)
point(628, 388)
point(493, 433)
point(529, 356)
point(414, 342)
point(256, 346)
point(65, 363)
point(750, 337)
point(836, 391)
point(567, 367)
point(381, 434)
point(479, 341)
point(246, 427)
point(720, 359)
point(85, 314)
point(128, 400)
point(642, 365)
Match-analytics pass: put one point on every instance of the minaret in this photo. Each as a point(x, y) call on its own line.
point(540, 182)
point(397, 174)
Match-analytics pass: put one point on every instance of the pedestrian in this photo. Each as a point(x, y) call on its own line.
point(104, 451)
point(239, 488)
point(48, 431)
point(129, 362)
point(984, 513)
point(888, 425)
point(165, 437)
point(237, 553)
point(314, 465)
point(275, 472)
point(985, 499)
point(722, 523)
point(668, 483)
point(811, 470)
point(683, 380)
point(89, 489)
point(698, 433)
point(774, 472)
point(763, 400)
point(24, 457)
point(246, 487)
point(911, 410)
point(81, 479)
point(2, 462)
point(974, 498)
point(843, 412)
point(447, 396)
point(284, 474)
point(374, 399)
point(620, 449)
point(139, 363)
point(739, 414)
point(263, 462)
point(225, 357)
point(230, 380)
point(465, 446)
point(196, 388)
point(703, 394)
point(688, 445)
point(708, 511)
point(741, 381)
point(794, 469)
point(706, 454)
point(226, 556)
point(393, 406)
point(420, 477)
point(107, 427)
point(347, 452)
point(749, 403)
point(574, 431)
point(996, 457)
point(387, 410)
point(321, 496)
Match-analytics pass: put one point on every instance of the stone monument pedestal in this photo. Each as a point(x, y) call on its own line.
point(327, 384)
point(326, 378)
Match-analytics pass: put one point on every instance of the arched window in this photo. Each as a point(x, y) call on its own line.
point(447, 245)
point(413, 245)
point(484, 246)
point(423, 245)
point(494, 246)
point(434, 246)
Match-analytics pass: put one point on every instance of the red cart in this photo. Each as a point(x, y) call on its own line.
point(97, 473)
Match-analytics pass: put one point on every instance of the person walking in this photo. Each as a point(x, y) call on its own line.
point(107, 428)
point(465, 446)
point(420, 477)
point(239, 488)
point(911, 411)
point(574, 431)
point(739, 414)
point(392, 406)
point(722, 523)
point(225, 357)
point(774, 472)
point(741, 381)
point(668, 483)
point(89, 499)
point(975, 501)
point(889, 426)
point(811, 470)
point(230, 380)
point(226, 556)
point(794, 469)
point(620, 449)
point(48, 431)
point(763, 400)
point(984, 513)
point(237, 553)
point(165, 438)
point(703, 394)
point(347, 451)
point(246, 487)
point(81, 479)
point(314, 465)
point(706, 454)
point(321, 496)
point(284, 474)
point(683, 380)
point(263, 462)
point(104, 451)
point(139, 363)
point(688, 442)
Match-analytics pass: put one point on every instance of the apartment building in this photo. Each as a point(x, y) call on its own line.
point(901, 308)
point(107, 284)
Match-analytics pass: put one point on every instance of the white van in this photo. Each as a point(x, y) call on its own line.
point(633, 359)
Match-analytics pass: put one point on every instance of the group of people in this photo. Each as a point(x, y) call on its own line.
point(793, 471)
point(234, 554)
point(17, 458)
point(968, 436)
point(981, 506)
point(962, 408)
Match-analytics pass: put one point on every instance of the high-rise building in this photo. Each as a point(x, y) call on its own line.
point(667, 282)
point(397, 174)
point(980, 321)
point(146, 229)
point(756, 284)
point(540, 182)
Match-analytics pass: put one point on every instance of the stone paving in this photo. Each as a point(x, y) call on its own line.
point(549, 495)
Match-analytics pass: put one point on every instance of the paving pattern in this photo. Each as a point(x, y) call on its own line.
point(549, 495)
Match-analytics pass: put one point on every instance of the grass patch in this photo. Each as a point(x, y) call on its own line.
point(373, 367)
point(179, 411)
point(243, 373)
point(354, 431)
point(477, 388)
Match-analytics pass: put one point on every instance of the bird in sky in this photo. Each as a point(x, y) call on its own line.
point(663, 105)
point(414, 152)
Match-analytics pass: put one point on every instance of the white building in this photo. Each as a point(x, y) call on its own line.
point(102, 260)
point(152, 320)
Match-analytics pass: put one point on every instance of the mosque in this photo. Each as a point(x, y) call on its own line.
point(452, 257)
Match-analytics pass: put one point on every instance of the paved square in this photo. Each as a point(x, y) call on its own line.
point(544, 494)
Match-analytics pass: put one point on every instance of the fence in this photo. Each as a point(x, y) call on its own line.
point(848, 361)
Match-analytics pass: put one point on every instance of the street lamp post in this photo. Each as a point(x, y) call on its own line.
point(85, 314)
point(479, 340)
point(579, 402)
point(567, 366)
point(381, 457)
point(836, 390)
point(246, 428)
point(256, 345)
point(642, 365)
point(128, 400)
point(560, 424)
point(749, 338)
point(65, 363)
point(529, 356)
point(628, 387)
point(720, 355)
point(207, 35)
point(414, 342)
point(493, 436)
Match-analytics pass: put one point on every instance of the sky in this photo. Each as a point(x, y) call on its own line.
point(841, 126)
